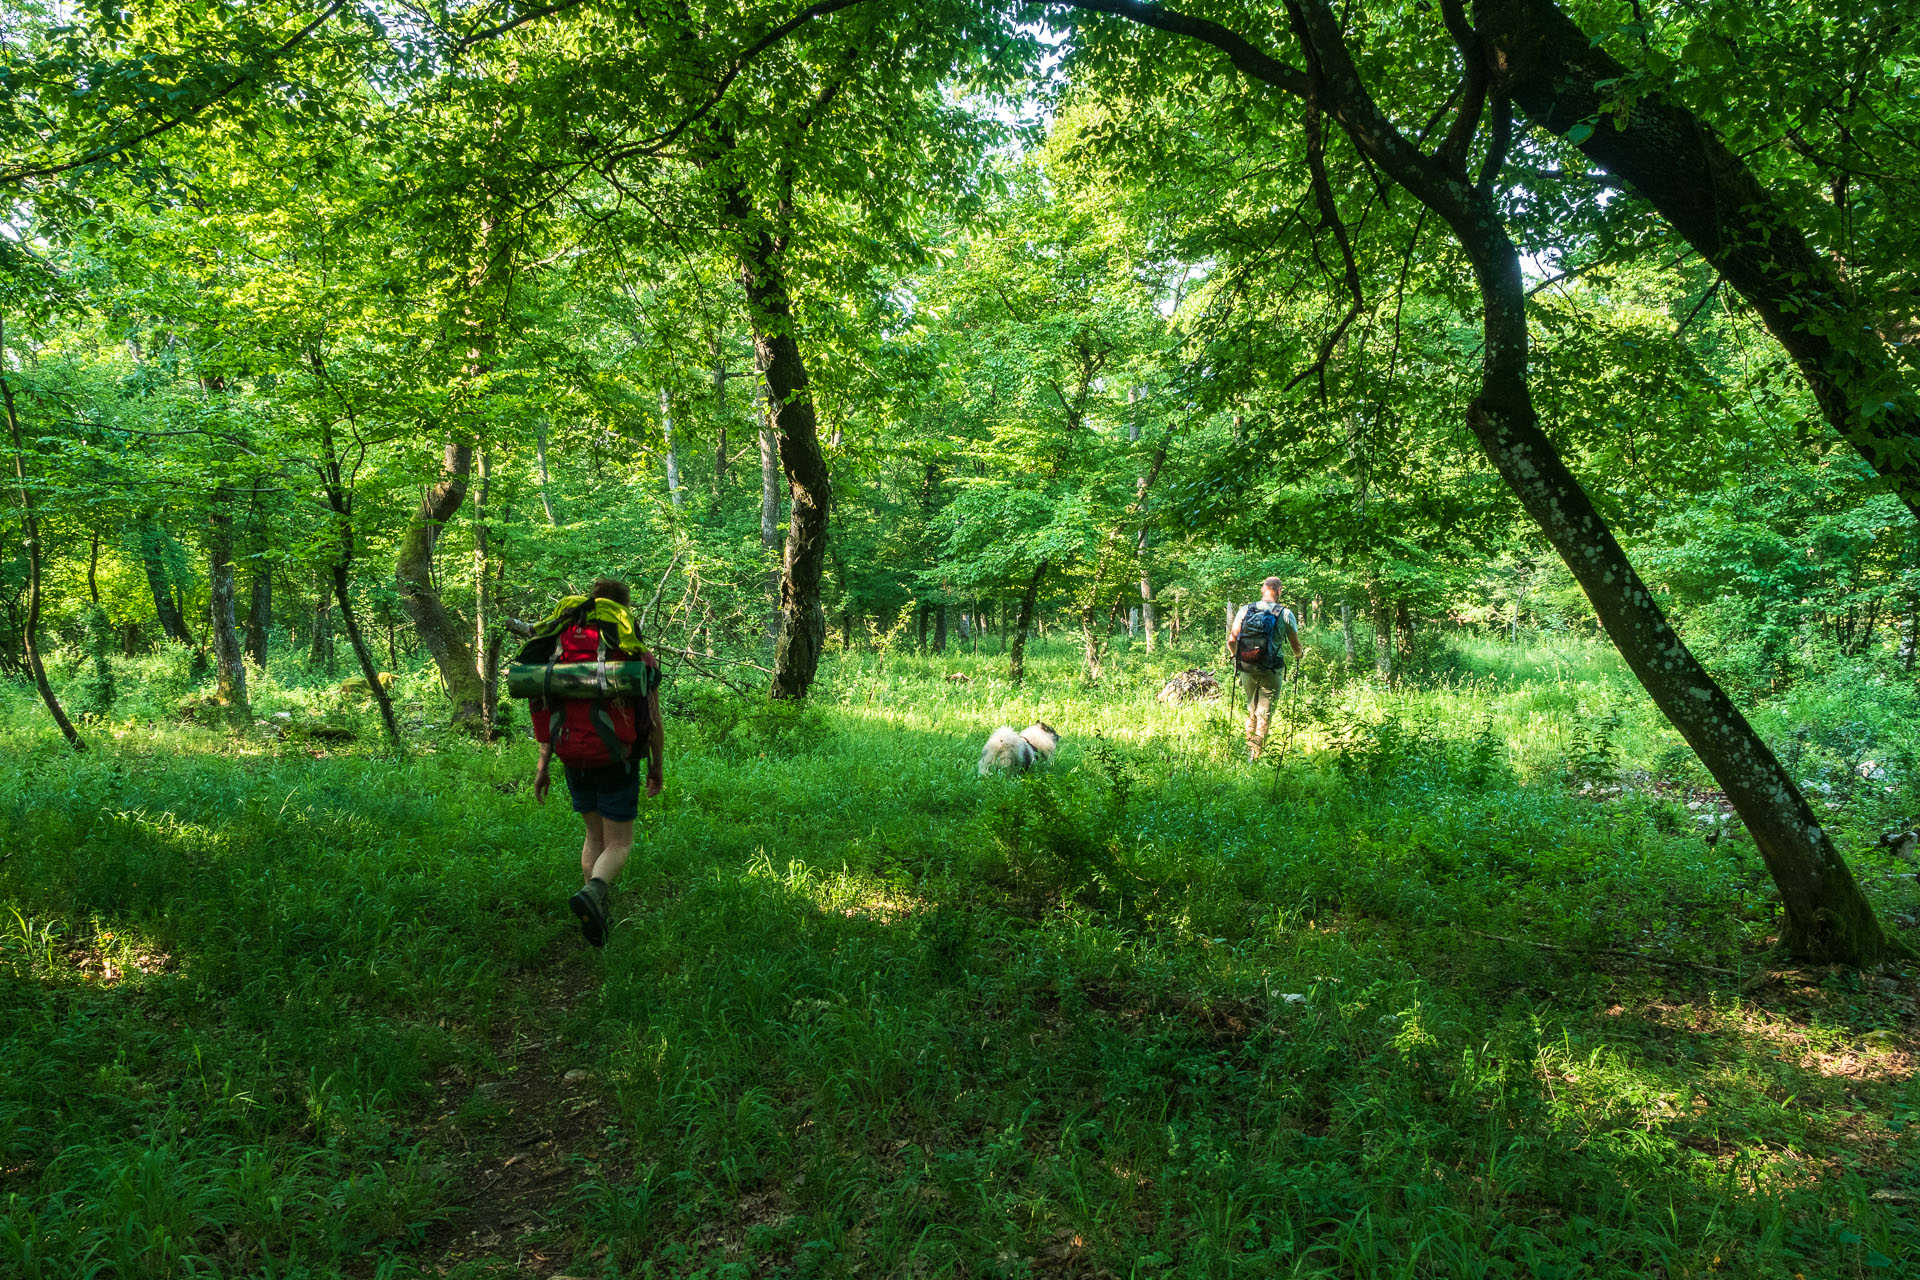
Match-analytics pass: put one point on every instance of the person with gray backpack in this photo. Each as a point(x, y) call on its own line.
point(1254, 640)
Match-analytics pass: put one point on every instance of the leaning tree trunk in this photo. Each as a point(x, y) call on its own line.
point(770, 514)
point(229, 656)
point(1017, 658)
point(343, 596)
point(435, 625)
point(1827, 918)
point(1562, 79)
point(792, 424)
point(30, 632)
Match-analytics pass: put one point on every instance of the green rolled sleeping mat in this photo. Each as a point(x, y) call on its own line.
point(581, 679)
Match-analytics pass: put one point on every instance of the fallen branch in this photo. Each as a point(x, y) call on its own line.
point(1607, 951)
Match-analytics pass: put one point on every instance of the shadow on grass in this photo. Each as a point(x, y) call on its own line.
point(1145, 1015)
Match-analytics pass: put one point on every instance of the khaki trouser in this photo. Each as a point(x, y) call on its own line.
point(1259, 688)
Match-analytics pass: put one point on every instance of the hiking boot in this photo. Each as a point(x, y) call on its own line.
point(590, 905)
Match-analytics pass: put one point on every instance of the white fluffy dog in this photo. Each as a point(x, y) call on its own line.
point(1019, 752)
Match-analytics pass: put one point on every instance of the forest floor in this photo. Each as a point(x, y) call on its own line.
point(1469, 978)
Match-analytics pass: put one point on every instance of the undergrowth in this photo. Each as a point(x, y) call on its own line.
point(1468, 977)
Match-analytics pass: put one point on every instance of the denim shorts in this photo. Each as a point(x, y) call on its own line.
point(610, 790)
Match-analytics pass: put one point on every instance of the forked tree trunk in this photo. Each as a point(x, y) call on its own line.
point(1563, 80)
point(432, 621)
point(794, 431)
point(30, 632)
point(341, 502)
point(229, 657)
point(1827, 918)
point(1017, 660)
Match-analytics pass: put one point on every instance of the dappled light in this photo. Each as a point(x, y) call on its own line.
point(1148, 639)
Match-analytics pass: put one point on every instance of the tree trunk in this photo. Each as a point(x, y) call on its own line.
point(673, 458)
point(1827, 918)
point(1346, 629)
point(540, 465)
point(259, 612)
point(1403, 629)
point(320, 644)
point(229, 656)
point(1017, 663)
point(343, 596)
point(485, 646)
point(173, 624)
point(1382, 636)
point(1149, 612)
point(341, 502)
point(940, 628)
point(413, 576)
point(30, 523)
point(93, 567)
point(1562, 79)
point(803, 624)
point(769, 481)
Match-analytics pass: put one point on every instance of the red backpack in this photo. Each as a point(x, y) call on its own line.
point(590, 731)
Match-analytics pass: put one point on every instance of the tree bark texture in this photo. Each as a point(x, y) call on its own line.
point(229, 656)
point(1560, 78)
point(30, 523)
point(436, 626)
point(1017, 659)
point(792, 424)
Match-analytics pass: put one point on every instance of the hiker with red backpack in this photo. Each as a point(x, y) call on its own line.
point(594, 695)
point(1254, 641)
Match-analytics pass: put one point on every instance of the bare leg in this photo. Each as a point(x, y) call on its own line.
point(595, 843)
point(616, 839)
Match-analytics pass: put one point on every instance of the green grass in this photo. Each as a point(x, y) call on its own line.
point(290, 1007)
